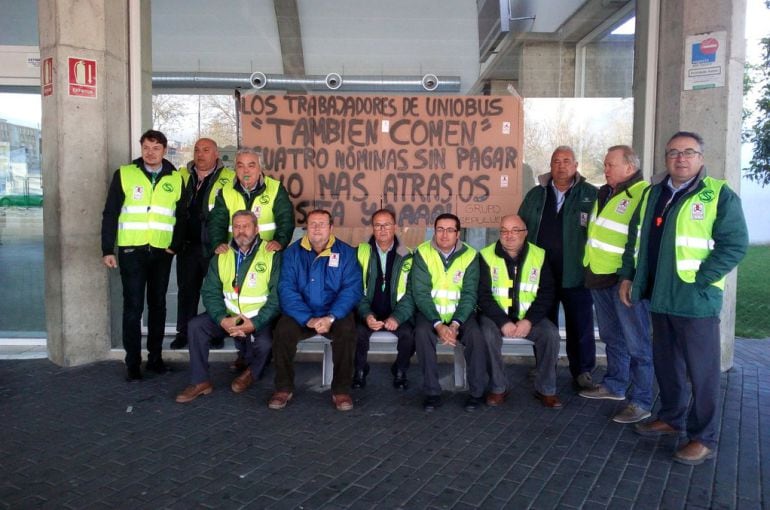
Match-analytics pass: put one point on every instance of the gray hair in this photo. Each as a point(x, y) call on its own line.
point(564, 148)
point(252, 151)
point(629, 156)
point(688, 134)
point(248, 214)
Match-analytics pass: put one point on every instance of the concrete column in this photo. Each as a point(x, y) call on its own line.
point(714, 113)
point(84, 141)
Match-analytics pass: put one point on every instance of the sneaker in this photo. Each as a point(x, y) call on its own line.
point(585, 381)
point(600, 392)
point(632, 413)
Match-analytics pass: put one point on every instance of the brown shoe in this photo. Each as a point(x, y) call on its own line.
point(342, 402)
point(693, 454)
point(655, 428)
point(193, 391)
point(242, 382)
point(549, 401)
point(496, 399)
point(279, 399)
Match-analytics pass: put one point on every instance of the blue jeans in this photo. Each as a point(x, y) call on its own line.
point(626, 335)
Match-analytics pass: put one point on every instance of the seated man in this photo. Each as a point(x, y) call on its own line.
point(320, 285)
point(386, 304)
point(444, 282)
point(516, 291)
point(241, 300)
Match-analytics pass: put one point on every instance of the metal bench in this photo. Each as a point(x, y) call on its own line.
point(459, 358)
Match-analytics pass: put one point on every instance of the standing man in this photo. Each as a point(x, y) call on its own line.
point(241, 299)
point(255, 191)
point(203, 177)
point(320, 286)
point(444, 283)
point(145, 211)
point(515, 294)
point(556, 214)
point(691, 233)
point(386, 304)
point(625, 330)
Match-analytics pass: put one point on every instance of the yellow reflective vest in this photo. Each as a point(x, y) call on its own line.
point(694, 224)
point(447, 283)
point(148, 213)
point(262, 207)
point(226, 178)
point(608, 230)
point(531, 269)
point(252, 294)
point(364, 253)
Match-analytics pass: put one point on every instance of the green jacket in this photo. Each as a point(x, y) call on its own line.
point(575, 212)
point(214, 301)
point(420, 285)
point(219, 217)
point(403, 309)
point(670, 294)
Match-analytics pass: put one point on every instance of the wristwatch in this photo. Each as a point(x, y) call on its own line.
point(331, 318)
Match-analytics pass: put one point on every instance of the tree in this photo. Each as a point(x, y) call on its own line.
point(167, 111)
point(759, 134)
point(221, 119)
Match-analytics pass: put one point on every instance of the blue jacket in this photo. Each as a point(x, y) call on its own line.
point(318, 285)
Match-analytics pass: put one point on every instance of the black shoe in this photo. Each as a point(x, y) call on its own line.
point(217, 343)
point(179, 341)
point(157, 366)
point(359, 378)
point(430, 403)
point(472, 403)
point(399, 378)
point(133, 374)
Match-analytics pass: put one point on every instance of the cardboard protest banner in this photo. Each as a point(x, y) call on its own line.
point(419, 156)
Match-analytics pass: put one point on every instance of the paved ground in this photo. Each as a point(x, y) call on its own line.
point(84, 438)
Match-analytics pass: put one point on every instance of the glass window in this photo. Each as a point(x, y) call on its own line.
point(22, 310)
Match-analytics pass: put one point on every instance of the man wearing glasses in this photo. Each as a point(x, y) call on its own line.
point(515, 293)
point(444, 284)
point(691, 233)
point(386, 305)
point(319, 287)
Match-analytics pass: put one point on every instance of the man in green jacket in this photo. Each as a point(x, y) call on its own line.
point(556, 212)
point(387, 305)
point(444, 283)
point(240, 294)
point(263, 195)
point(685, 237)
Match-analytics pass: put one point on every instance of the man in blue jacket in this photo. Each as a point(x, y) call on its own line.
point(691, 233)
point(319, 287)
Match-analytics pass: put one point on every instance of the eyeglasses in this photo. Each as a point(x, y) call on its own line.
point(442, 230)
point(382, 226)
point(506, 232)
point(317, 225)
point(687, 154)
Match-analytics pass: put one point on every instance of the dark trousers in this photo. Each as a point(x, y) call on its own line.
point(254, 349)
point(191, 268)
point(579, 323)
point(682, 348)
point(144, 269)
point(288, 334)
point(475, 355)
point(405, 346)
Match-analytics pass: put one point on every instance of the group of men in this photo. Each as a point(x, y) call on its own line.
point(648, 257)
